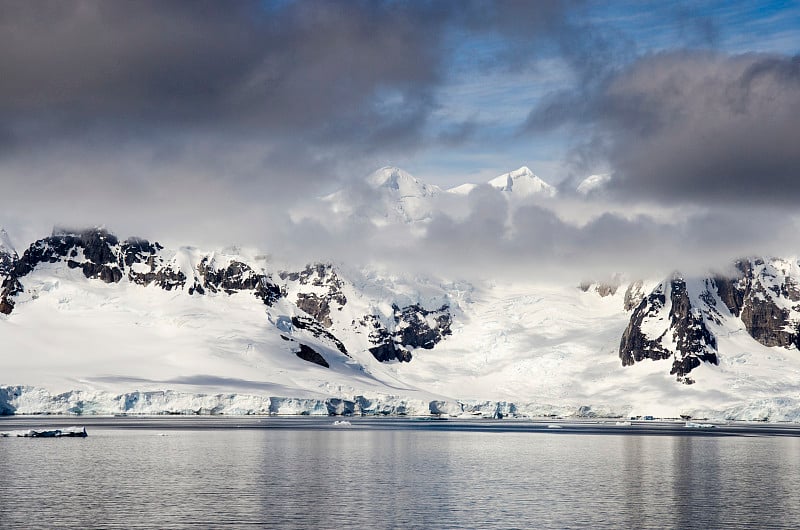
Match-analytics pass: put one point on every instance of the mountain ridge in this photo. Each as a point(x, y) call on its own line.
point(179, 317)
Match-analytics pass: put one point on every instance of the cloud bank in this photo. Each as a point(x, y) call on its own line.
point(207, 123)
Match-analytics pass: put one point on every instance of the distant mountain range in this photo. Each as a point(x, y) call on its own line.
point(88, 320)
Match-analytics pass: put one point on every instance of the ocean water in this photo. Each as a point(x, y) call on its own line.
point(310, 473)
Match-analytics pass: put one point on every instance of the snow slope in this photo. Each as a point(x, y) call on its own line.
point(74, 344)
point(522, 183)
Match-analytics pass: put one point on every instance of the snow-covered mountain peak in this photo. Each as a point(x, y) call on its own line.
point(593, 183)
point(462, 189)
point(400, 183)
point(6, 247)
point(522, 183)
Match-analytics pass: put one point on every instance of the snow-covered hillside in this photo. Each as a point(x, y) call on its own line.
point(94, 324)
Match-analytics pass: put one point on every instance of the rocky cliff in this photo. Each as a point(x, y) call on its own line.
point(314, 308)
point(680, 321)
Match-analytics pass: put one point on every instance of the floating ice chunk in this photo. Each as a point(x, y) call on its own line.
point(693, 425)
point(69, 432)
point(342, 423)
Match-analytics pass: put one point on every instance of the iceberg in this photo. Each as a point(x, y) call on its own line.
point(68, 432)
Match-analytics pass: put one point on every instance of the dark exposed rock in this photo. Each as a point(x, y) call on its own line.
point(316, 306)
point(168, 278)
point(267, 292)
point(414, 327)
point(768, 323)
point(390, 351)
point(316, 329)
point(11, 287)
point(100, 255)
point(307, 353)
point(237, 276)
point(386, 347)
point(99, 259)
point(752, 297)
point(319, 275)
point(694, 343)
point(635, 346)
point(7, 261)
point(144, 255)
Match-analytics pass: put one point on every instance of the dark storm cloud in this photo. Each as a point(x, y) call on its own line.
point(334, 71)
point(211, 117)
point(697, 127)
point(206, 122)
point(333, 85)
point(240, 67)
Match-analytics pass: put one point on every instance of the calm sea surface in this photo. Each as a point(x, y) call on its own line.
point(308, 473)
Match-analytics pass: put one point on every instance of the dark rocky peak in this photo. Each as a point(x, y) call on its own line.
point(95, 251)
point(318, 306)
point(695, 344)
point(419, 328)
point(323, 277)
point(765, 296)
point(100, 255)
point(234, 277)
point(137, 250)
point(635, 345)
point(680, 333)
point(317, 274)
point(413, 326)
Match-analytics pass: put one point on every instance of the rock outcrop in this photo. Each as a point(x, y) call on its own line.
point(413, 327)
point(760, 295)
point(665, 325)
point(100, 256)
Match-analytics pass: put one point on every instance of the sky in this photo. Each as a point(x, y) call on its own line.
point(206, 123)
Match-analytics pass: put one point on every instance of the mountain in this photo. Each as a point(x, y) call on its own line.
point(121, 313)
point(391, 195)
point(8, 254)
point(522, 183)
point(91, 323)
point(744, 318)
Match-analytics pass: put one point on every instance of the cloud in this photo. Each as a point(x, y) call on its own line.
point(696, 127)
point(184, 106)
point(207, 123)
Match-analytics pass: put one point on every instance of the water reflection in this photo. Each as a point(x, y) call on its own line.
point(397, 478)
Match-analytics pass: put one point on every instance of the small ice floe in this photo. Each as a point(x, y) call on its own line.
point(68, 432)
point(623, 424)
point(342, 423)
point(693, 425)
point(554, 426)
